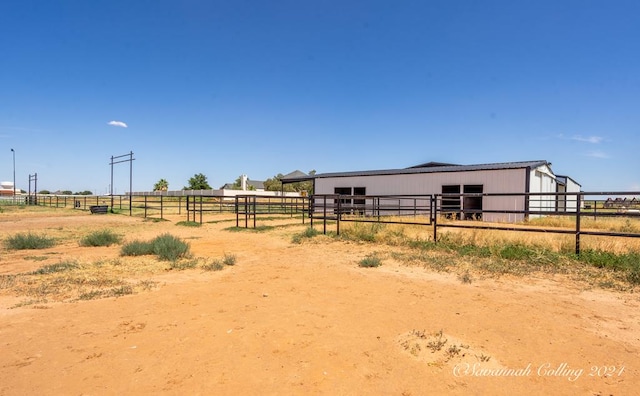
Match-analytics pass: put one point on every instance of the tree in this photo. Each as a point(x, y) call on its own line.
point(44, 192)
point(161, 185)
point(274, 184)
point(306, 186)
point(66, 192)
point(198, 182)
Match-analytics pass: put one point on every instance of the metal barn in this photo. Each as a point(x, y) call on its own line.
point(517, 178)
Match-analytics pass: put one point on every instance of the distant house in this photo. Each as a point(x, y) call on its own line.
point(245, 185)
point(442, 178)
point(7, 190)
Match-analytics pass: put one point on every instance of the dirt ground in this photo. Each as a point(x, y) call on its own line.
point(305, 319)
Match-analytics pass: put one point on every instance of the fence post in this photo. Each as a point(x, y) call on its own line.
point(235, 202)
point(324, 217)
point(339, 215)
point(578, 215)
point(435, 219)
point(246, 212)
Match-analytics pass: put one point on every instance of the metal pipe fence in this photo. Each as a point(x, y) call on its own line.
point(249, 207)
point(482, 211)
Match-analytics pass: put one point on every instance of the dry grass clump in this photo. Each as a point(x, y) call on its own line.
point(219, 264)
point(614, 224)
point(71, 281)
point(370, 261)
point(308, 233)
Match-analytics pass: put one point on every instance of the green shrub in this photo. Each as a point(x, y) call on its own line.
point(307, 233)
point(101, 238)
point(371, 260)
point(169, 248)
point(166, 246)
point(513, 251)
point(136, 248)
point(617, 262)
point(474, 251)
point(28, 241)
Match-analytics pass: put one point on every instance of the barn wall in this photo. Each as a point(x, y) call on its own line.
point(493, 181)
point(570, 202)
point(542, 180)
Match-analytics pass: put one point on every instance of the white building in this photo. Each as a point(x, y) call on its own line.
point(7, 190)
point(438, 178)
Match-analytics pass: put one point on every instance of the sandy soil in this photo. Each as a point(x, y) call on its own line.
point(305, 319)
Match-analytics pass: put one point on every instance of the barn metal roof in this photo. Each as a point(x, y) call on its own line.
point(431, 168)
point(563, 179)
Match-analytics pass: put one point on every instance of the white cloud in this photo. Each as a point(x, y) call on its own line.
point(117, 124)
point(588, 139)
point(597, 154)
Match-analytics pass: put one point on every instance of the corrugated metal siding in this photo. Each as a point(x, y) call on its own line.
point(493, 181)
point(542, 180)
point(496, 181)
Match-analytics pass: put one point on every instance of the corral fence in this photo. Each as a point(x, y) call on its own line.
point(482, 211)
point(393, 209)
point(81, 202)
point(249, 207)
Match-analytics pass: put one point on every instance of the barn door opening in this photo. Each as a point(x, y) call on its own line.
point(345, 202)
point(359, 201)
point(472, 206)
point(450, 205)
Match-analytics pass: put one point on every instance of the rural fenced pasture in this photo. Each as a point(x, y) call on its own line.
point(574, 215)
point(104, 291)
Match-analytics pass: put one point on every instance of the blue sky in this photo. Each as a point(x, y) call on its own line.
point(265, 87)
